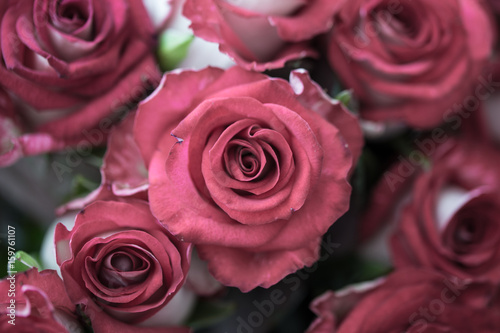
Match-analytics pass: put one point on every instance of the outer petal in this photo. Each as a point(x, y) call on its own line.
point(212, 20)
point(312, 97)
point(41, 303)
point(247, 269)
point(314, 18)
point(104, 323)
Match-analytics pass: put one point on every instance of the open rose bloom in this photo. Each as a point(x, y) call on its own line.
point(254, 159)
point(74, 67)
point(453, 210)
point(411, 61)
point(120, 263)
point(250, 166)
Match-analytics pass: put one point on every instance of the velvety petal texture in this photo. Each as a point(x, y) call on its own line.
point(120, 262)
point(411, 61)
point(41, 304)
point(75, 66)
point(451, 222)
point(409, 300)
point(261, 35)
point(238, 162)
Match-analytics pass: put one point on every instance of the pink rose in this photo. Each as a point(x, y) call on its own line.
point(247, 168)
point(36, 302)
point(120, 263)
point(75, 65)
point(411, 61)
point(409, 301)
point(261, 35)
point(451, 220)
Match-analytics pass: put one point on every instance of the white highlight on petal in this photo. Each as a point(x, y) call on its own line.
point(38, 62)
point(48, 249)
point(449, 201)
point(359, 288)
point(70, 50)
point(380, 130)
point(201, 53)
point(296, 83)
point(269, 7)
point(257, 34)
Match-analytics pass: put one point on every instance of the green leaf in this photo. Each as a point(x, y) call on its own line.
point(83, 185)
point(406, 148)
point(80, 187)
point(370, 270)
point(23, 263)
point(173, 48)
point(344, 97)
point(207, 313)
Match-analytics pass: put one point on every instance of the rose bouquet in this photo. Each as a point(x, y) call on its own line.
point(249, 166)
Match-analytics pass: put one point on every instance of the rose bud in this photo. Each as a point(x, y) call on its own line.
point(252, 170)
point(120, 263)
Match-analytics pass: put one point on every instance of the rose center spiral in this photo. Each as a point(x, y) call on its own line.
point(122, 263)
point(122, 269)
point(73, 10)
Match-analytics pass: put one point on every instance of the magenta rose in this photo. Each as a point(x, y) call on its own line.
point(248, 168)
point(411, 61)
point(75, 65)
point(36, 302)
point(261, 35)
point(450, 222)
point(120, 263)
point(412, 301)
